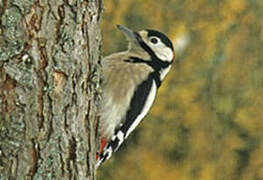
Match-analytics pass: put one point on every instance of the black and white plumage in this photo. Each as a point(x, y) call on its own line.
point(130, 83)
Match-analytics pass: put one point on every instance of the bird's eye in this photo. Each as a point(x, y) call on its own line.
point(154, 40)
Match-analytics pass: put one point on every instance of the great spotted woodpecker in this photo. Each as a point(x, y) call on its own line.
point(130, 83)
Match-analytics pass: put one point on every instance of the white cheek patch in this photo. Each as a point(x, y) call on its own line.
point(163, 52)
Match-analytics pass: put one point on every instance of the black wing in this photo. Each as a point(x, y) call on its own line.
point(140, 104)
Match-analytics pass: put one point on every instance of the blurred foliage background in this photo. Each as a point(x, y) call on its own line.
point(207, 121)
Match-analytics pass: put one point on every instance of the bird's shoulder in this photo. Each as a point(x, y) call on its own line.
point(120, 62)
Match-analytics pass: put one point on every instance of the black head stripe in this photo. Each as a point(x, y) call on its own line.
point(147, 49)
point(162, 37)
point(155, 64)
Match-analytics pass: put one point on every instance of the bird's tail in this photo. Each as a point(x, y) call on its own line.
point(108, 148)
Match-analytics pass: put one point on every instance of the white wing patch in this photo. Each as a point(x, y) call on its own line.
point(145, 110)
point(120, 136)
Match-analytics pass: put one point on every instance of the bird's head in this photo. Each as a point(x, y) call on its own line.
point(154, 43)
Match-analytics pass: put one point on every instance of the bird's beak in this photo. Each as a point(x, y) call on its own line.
point(130, 34)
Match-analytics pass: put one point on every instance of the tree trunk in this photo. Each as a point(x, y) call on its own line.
point(49, 76)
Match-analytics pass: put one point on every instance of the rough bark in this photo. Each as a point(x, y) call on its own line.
point(49, 76)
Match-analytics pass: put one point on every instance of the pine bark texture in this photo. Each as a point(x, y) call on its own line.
point(49, 77)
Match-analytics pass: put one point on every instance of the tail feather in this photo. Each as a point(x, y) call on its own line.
point(112, 146)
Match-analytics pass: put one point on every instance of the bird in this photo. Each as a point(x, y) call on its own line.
point(130, 80)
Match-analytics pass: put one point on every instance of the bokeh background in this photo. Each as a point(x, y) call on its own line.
point(207, 121)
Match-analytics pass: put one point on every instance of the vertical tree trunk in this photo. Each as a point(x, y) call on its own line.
point(49, 76)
